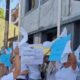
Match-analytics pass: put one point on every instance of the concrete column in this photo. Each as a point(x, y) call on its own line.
point(66, 7)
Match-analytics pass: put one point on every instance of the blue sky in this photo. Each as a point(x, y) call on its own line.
point(12, 4)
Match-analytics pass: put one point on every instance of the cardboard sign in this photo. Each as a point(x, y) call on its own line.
point(34, 56)
point(30, 54)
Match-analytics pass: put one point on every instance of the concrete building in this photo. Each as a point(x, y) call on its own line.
point(40, 19)
point(14, 15)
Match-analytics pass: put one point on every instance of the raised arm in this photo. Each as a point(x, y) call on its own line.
point(16, 72)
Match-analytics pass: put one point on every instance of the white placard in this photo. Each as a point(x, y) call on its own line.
point(29, 54)
point(35, 56)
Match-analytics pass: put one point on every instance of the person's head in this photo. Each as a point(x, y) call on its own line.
point(71, 61)
point(46, 59)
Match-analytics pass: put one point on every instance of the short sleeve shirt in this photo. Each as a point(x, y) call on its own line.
point(8, 77)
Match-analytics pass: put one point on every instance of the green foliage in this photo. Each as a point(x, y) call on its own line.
point(2, 13)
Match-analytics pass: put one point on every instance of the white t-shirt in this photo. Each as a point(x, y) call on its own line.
point(34, 72)
point(51, 70)
point(66, 74)
point(8, 77)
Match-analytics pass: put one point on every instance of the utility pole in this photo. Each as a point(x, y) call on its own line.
point(39, 14)
point(59, 17)
point(39, 7)
point(6, 23)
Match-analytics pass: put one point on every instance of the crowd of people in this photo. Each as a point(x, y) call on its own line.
point(62, 67)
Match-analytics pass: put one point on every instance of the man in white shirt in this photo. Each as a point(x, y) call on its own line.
point(34, 72)
point(13, 75)
point(68, 71)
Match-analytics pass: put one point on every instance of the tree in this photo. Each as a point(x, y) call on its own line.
point(1, 13)
point(6, 23)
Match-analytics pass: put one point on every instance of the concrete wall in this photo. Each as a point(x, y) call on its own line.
point(75, 7)
point(48, 14)
point(30, 20)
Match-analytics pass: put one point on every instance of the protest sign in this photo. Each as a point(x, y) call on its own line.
point(33, 56)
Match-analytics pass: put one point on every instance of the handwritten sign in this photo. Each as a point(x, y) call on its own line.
point(34, 56)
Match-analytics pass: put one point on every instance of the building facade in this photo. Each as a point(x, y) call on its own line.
point(39, 18)
point(14, 15)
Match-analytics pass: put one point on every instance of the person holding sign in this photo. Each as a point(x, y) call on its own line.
point(61, 52)
point(55, 54)
point(34, 72)
point(69, 65)
point(13, 75)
